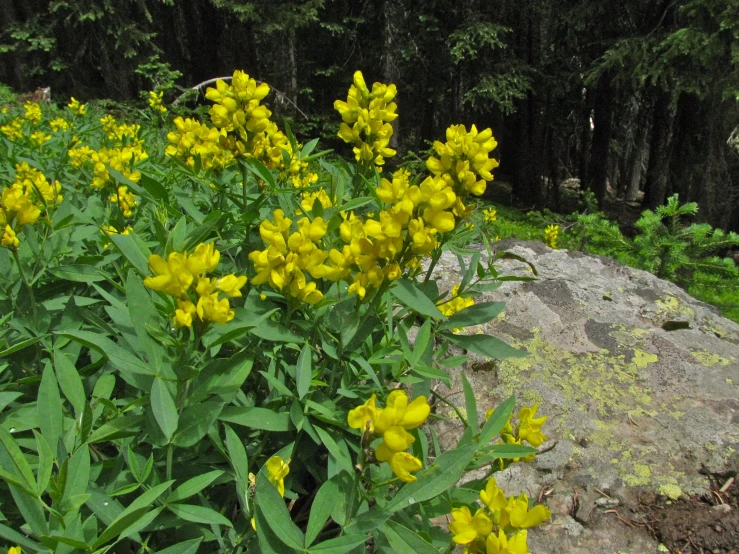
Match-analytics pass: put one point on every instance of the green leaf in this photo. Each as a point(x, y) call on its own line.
point(193, 486)
point(339, 545)
point(119, 427)
point(324, 503)
point(135, 251)
point(260, 170)
point(239, 462)
point(355, 203)
point(509, 451)
point(272, 506)
point(256, 418)
point(304, 371)
point(470, 404)
point(422, 341)
point(20, 346)
point(70, 381)
point(199, 514)
point(485, 345)
point(121, 358)
point(119, 525)
point(404, 540)
point(474, 315)
point(143, 312)
point(273, 331)
point(431, 481)
point(45, 463)
point(80, 273)
point(195, 422)
point(49, 405)
point(497, 421)
point(164, 408)
point(186, 547)
point(16, 538)
point(338, 454)
point(412, 297)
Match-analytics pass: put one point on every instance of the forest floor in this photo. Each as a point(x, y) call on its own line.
point(700, 525)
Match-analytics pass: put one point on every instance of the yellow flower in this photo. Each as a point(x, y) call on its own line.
point(172, 276)
point(39, 138)
point(398, 412)
point(211, 309)
point(551, 233)
point(125, 200)
point(13, 130)
point(402, 463)
point(363, 415)
point(277, 470)
point(9, 238)
point(456, 304)
point(231, 285)
point(14, 550)
point(493, 497)
point(490, 214)
point(501, 544)
point(529, 427)
point(204, 259)
point(76, 107)
point(523, 518)
point(369, 113)
point(467, 528)
point(33, 112)
point(183, 315)
point(155, 101)
point(59, 124)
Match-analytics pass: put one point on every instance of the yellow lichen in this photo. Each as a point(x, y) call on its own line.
point(673, 492)
point(709, 359)
point(642, 359)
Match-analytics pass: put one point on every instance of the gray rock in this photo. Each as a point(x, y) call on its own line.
point(633, 408)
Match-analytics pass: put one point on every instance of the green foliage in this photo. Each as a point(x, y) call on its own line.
point(120, 431)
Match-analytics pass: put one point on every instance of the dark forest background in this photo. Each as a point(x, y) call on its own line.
point(638, 95)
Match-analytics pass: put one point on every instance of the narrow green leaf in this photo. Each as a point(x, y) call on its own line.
point(16, 538)
point(410, 295)
point(164, 408)
point(193, 486)
point(186, 547)
point(339, 545)
point(323, 505)
point(199, 514)
point(485, 345)
point(195, 422)
point(470, 404)
point(272, 506)
point(431, 481)
point(256, 418)
point(49, 405)
point(119, 427)
point(478, 314)
point(304, 371)
point(45, 463)
point(17, 347)
point(142, 311)
point(70, 381)
point(497, 421)
point(404, 540)
point(135, 252)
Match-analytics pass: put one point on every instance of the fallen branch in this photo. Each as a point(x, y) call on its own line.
point(199, 86)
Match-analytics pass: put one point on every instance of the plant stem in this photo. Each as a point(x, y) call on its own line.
point(170, 455)
point(27, 284)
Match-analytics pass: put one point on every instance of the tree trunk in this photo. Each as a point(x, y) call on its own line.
point(637, 163)
point(599, 162)
point(717, 198)
point(13, 73)
point(390, 72)
point(292, 88)
point(585, 138)
point(660, 150)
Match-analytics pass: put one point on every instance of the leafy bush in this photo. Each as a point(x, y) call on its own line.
point(206, 342)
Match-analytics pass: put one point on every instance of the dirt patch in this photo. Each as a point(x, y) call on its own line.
point(700, 525)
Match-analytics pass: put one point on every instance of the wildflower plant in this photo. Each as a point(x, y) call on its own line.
point(206, 336)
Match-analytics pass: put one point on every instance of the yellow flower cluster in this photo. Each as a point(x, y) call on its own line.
point(155, 101)
point(122, 133)
point(79, 155)
point(464, 161)
point(298, 172)
point(456, 304)
point(192, 139)
point(13, 130)
point(122, 160)
point(33, 112)
point(510, 516)
point(551, 234)
point(308, 199)
point(38, 138)
point(125, 199)
point(288, 256)
point(108, 230)
point(181, 272)
point(59, 124)
point(76, 107)
point(528, 429)
point(23, 202)
point(366, 117)
point(14, 550)
point(392, 423)
point(490, 215)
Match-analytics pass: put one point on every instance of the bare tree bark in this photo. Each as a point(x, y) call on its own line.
point(660, 152)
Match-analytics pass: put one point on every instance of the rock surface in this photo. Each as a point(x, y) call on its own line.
point(635, 410)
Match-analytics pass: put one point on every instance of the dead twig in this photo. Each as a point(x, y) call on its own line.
point(726, 486)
